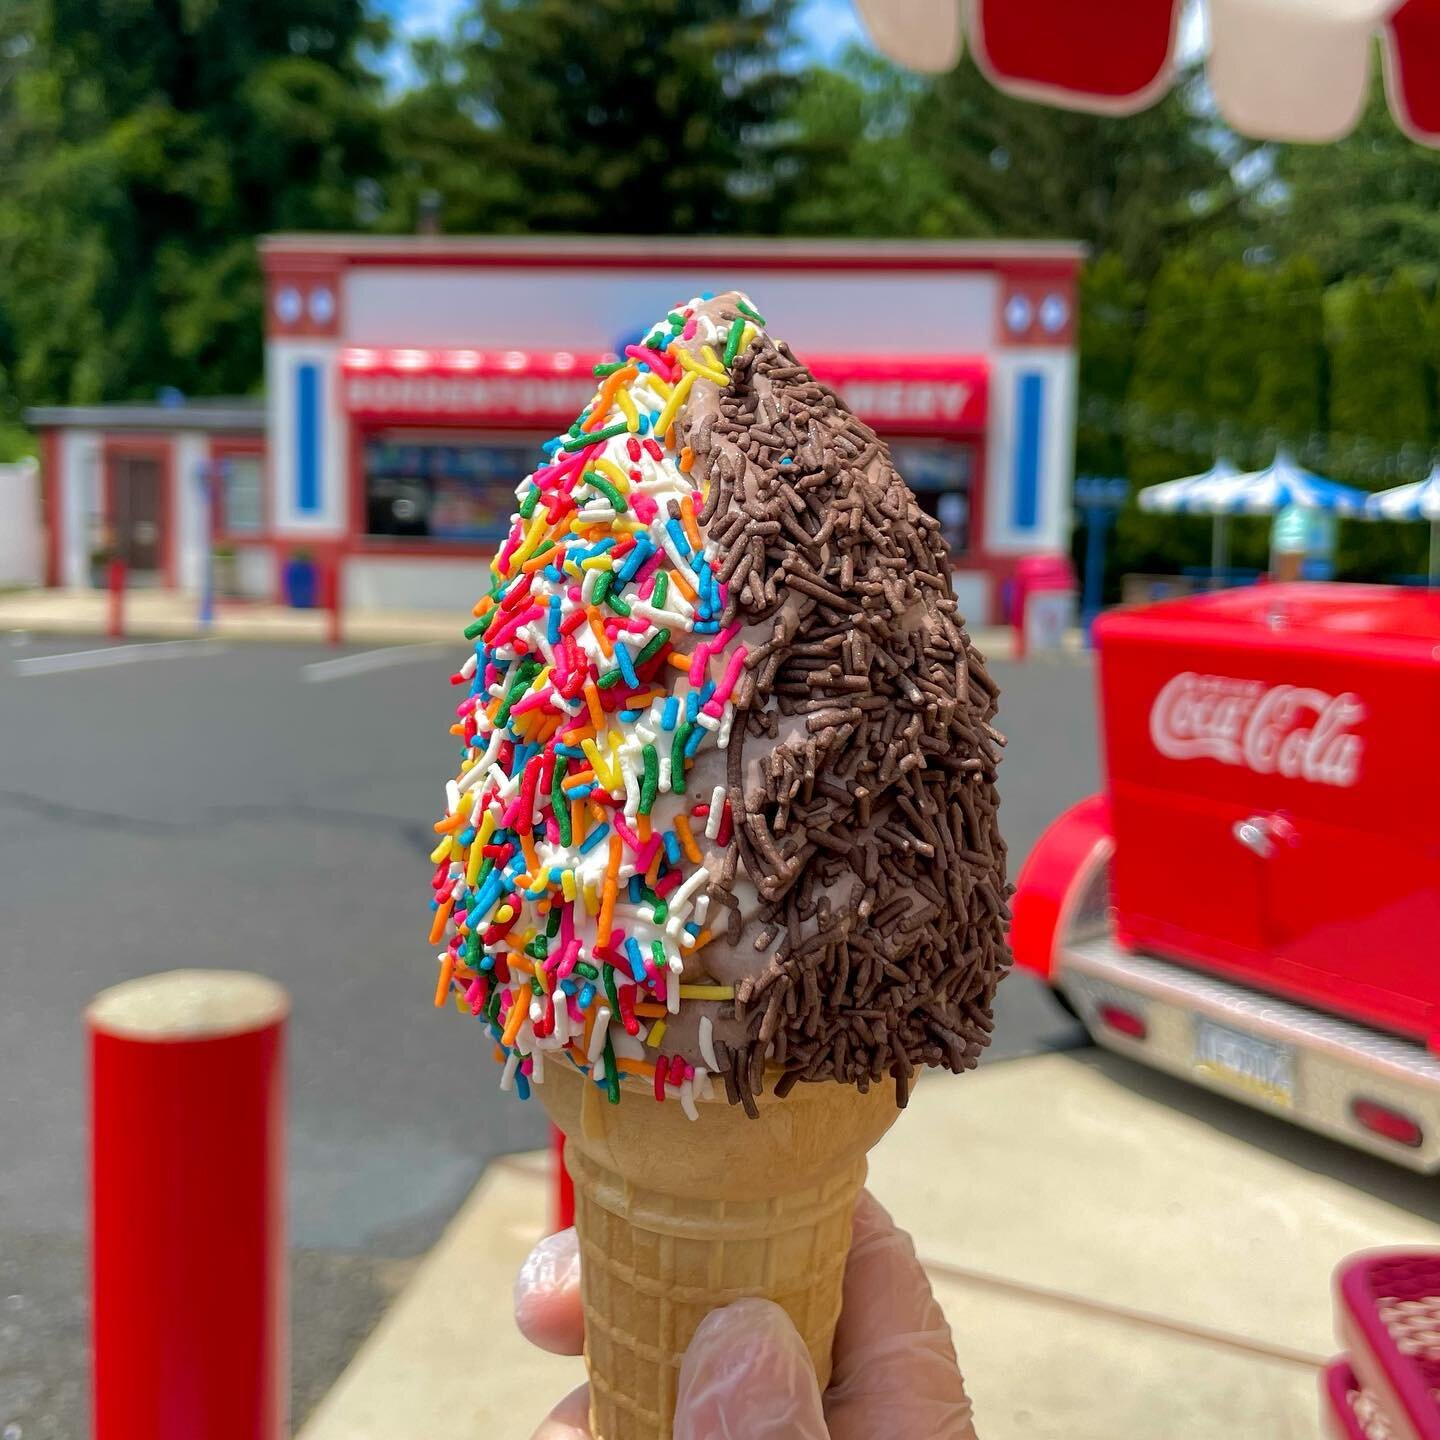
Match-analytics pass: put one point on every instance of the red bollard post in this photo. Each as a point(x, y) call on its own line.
point(564, 1196)
point(187, 1208)
point(331, 574)
point(115, 583)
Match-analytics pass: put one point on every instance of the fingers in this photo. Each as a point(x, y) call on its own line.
point(547, 1295)
point(894, 1363)
point(569, 1420)
point(747, 1376)
point(547, 1310)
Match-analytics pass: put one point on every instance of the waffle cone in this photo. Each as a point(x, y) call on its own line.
point(677, 1218)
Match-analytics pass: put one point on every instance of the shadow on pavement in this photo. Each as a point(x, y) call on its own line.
point(1029, 1021)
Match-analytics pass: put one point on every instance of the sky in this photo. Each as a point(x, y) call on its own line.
point(826, 27)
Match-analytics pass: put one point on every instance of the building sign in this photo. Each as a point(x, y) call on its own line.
point(541, 399)
point(545, 389)
point(932, 395)
point(549, 388)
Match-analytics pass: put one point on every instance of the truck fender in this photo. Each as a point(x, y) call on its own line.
point(1058, 879)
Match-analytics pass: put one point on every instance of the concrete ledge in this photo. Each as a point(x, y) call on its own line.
point(1111, 1265)
point(446, 1362)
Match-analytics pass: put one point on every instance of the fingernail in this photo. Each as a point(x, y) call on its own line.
point(554, 1264)
point(747, 1372)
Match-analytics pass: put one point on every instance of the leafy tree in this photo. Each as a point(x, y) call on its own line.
point(640, 116)
point(1138, 186)
point(853, 167)
point(150, 143)
point(1109, 315)
point(1167, 431)
point(1290, 361)
point(1369, 203)
point(438, 147)
point(1231, 335)
point(1380, 409)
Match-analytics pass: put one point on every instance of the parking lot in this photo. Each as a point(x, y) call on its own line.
point(266, 807)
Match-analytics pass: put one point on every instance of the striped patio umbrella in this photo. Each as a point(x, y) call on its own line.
point(1278, 69)
point(1417, 501)
point(1223, 491)
point(1279, 485)
point(1191, 495)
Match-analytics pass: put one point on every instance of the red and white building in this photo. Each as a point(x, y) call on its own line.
point(410, 381)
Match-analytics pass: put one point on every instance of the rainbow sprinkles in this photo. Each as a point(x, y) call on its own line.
point(570, 887)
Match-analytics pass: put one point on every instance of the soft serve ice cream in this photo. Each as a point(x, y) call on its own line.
point(725, 807)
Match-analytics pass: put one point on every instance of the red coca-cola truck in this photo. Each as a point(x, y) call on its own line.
point(1254, 901)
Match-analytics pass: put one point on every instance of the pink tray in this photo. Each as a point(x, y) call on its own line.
point(1388, 1319)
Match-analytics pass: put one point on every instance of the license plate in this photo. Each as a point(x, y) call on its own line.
point(1245, 1062)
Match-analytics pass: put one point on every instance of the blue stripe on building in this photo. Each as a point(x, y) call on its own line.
point(307, 438)
point(1029, 417)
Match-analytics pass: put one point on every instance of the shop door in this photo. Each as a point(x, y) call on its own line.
point(136, 481)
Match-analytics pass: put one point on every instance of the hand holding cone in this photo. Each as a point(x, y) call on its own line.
point(747, 1371)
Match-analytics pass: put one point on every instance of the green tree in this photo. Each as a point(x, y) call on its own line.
point(1231, 335)
point(149, 144)
point(1290, 362)
point(438, 147)
point(639, 116)
point(1140, 186)
point(1380, 402)
point(1168, 433)
point(1369, 203)
point(1109, 317)
point(1380, 409)
point(852, 167)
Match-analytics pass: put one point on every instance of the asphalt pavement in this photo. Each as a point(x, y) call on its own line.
point(260, 807)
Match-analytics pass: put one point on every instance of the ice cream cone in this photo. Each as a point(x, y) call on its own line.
point(677, 1218)
point(727, 802)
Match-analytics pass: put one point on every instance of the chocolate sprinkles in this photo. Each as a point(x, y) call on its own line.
point(870, 829)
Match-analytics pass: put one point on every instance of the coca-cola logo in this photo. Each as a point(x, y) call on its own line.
point(1289, 730)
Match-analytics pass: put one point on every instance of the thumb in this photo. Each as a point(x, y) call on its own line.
point(895, 1369)
point(747, 1376)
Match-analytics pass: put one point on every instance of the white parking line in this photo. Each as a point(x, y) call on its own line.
point(345, 665)
point(115, 655)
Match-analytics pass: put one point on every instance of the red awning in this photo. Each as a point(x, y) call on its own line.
point(502, 387)
point(1279, 70)
point(919, 395)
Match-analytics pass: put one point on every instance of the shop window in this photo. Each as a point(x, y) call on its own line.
point(444, 487)
point(242, 503)
point(942, 473)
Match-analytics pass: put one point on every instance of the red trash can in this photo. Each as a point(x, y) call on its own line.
point(1043, 606)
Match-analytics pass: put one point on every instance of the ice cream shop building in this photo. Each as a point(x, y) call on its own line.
point(410, 381)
